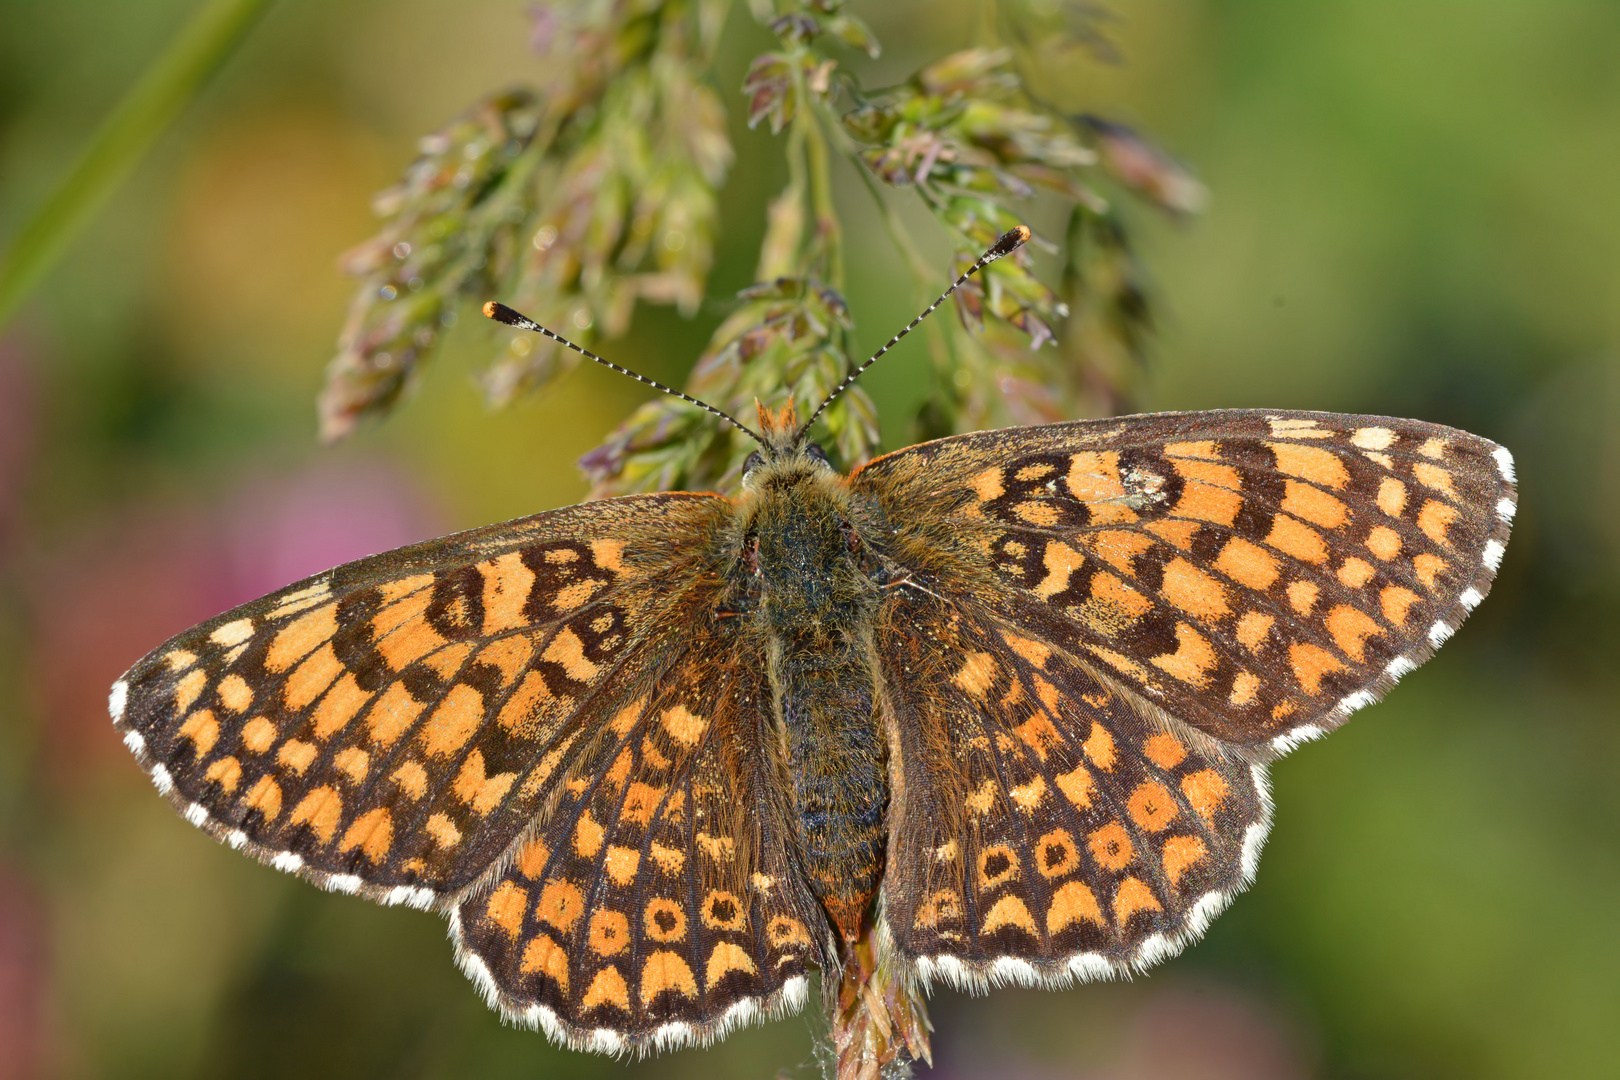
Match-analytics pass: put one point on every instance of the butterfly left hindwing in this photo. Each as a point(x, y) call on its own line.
point(656, 901)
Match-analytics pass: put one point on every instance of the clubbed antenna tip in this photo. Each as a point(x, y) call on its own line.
point(498, 311)
point(503, 314)
point(1009, 242)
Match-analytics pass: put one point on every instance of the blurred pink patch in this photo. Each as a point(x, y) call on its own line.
point(1191, 1031)
point(99, 602)
point(1176, 1029)
point(544, 24)
point(279, 531)
point(104, 600)
point(1142, 166)
point(22, 979)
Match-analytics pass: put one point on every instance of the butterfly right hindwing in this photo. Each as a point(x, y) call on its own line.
point(1049, 829)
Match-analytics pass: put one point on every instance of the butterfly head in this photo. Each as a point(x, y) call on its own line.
point(782, 443)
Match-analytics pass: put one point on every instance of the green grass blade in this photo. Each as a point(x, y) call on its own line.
point(151, 105)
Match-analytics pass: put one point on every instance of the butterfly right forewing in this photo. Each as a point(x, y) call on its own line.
point(1259, 575)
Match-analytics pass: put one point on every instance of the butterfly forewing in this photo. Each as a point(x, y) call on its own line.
point(1258, 575)
point(390, 726)
point(656, 903)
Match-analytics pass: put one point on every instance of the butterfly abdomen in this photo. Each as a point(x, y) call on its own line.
point(814, 604)
point(840, 788)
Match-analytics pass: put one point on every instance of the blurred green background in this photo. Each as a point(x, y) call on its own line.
point(1416, 211)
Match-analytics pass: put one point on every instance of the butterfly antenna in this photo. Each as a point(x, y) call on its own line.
point(1009, 242)
point(503, 314)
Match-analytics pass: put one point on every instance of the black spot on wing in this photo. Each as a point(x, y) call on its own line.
point(457, 608)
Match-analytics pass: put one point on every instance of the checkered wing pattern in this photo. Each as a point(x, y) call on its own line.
point(1258, 575)
point(1049, 828)
point(1181, 597)
point(392, 726)
point(657, 903)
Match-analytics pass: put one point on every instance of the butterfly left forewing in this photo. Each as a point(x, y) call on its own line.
point(387, 727)
point(1046, 828)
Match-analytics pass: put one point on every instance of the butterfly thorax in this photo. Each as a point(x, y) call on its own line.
point(812, 601)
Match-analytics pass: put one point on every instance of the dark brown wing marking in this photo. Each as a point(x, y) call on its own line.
point(387, 728)
point(1048, 830)
point(1258, 575)
point(657, 903)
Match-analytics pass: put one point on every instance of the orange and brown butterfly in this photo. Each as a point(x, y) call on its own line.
point(992, 709)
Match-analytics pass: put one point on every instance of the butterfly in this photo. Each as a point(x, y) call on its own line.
point(996, 708)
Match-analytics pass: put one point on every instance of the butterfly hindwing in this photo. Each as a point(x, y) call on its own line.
point(1258, 575)
point(1048, 827)
point(656, 903)
point(384, 727)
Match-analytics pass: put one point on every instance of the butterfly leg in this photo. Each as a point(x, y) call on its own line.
point(898, 577)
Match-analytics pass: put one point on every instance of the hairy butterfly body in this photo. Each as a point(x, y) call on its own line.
point(995, 708)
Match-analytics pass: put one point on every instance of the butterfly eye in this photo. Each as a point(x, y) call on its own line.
point(752, 462)
point(815, 451)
